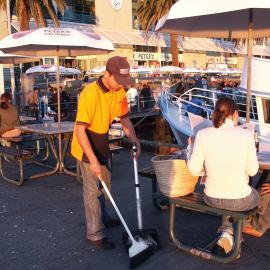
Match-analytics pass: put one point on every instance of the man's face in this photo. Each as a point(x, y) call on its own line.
point(113, 84)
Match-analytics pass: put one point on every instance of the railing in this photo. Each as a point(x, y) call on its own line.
point(210, 96)
point(140, 104)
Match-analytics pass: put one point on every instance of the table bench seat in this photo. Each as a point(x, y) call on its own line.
point(25, 138)
point(115, 148)
point(14, 154)
point(195, 202)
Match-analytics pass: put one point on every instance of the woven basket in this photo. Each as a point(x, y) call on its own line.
point(173, 176)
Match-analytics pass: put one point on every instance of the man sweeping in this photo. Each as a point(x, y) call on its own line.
point(100, 102)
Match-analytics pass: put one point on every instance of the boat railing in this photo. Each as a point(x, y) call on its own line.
point(210, 97)
point(186, 105)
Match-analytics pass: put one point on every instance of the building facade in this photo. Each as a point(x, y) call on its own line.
point(117, 21)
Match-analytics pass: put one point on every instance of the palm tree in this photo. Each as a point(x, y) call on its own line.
point(149, 12)
point(27, 9)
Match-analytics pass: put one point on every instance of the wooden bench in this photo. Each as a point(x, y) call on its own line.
point(194, 202)
point(25, 138)
point(14, 155)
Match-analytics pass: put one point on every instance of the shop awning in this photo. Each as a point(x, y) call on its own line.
point(137, 37)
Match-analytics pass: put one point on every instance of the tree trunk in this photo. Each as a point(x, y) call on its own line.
point(174, 49)
point(24, 24)
point(23, 17)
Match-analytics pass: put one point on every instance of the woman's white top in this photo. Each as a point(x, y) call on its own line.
point(228, 155)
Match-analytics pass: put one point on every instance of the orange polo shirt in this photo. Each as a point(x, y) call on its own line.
point(97, 108)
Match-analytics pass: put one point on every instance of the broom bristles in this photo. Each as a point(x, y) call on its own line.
point(138, 253)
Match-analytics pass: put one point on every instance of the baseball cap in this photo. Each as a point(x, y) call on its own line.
point(120, 69)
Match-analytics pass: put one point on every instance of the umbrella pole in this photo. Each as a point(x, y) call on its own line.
point(58, 108)
point(12, 77)
point(250, 41)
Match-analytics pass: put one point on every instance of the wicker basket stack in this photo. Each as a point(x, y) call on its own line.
point(173, 176)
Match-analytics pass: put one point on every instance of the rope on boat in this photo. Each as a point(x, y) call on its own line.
point(145, 116)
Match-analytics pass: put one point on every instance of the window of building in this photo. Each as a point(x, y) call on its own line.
point(135, 21)
point(266, 110)
point(140, 48)
point(79, 11)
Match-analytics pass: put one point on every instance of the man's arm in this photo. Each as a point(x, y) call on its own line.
point(87, 149)
point(130, 132)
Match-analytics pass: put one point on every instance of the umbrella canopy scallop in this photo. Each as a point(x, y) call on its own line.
point(16, 59)
point(220, 19)
point(52, 69)
point(45, 42)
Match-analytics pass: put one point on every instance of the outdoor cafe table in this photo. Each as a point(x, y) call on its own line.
point(264, 163)
point(50, 130)
point(25, 118)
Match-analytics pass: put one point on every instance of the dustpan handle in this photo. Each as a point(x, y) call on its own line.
point(137, 188)
point(116, 209)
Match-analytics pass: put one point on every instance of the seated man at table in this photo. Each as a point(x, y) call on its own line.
point(259, 223)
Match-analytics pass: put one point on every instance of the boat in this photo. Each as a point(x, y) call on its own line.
point(175, 108)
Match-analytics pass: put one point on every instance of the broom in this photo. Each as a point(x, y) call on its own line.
point(139, 250)
point(149, 235)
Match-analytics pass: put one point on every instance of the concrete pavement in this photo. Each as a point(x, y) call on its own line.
point(43, 227)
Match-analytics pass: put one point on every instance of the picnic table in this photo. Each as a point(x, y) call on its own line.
point(194, 202)
point(25, 118)
point(49, 131)
point(264, 164)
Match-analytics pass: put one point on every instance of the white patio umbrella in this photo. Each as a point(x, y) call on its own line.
point(73, 71)
point(220, 19)
point(169, 69)
point(97, 70)
point(141, 70)
point(212, 71)
point(11, 59)
point(56, 42)
point(191, 70)
point(51, 69)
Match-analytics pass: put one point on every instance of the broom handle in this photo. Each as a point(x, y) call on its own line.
point(116, 209)
point(137, 189)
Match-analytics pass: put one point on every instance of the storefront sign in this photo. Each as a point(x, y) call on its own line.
point(221, 60)
point(142, 56)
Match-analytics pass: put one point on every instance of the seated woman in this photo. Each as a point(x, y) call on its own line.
point(227, 153)
point(9, 119)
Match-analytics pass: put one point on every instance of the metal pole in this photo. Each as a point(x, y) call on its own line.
point(250, 40)
point(12, 73)
point(59, 107)
point(8, 16)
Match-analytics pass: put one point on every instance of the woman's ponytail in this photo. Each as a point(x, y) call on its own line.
point(224, 107)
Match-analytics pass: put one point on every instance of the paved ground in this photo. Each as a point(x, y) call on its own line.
point(43, 227)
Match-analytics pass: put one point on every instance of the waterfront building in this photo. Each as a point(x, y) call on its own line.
point(117, 21)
